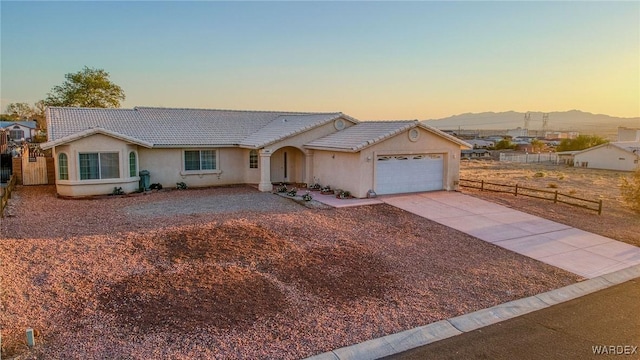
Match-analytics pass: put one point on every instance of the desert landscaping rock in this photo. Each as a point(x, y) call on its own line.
point(108, 279)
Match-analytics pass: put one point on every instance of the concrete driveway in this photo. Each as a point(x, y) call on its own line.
point(580, 252)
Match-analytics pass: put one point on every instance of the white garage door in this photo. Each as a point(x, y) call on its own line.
point(409, 173)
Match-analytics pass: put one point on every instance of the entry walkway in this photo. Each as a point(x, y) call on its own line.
point(580, 252)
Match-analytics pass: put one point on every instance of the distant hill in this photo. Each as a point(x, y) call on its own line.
point(574, 120)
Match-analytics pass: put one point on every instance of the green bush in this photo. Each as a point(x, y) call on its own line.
point(630, 189)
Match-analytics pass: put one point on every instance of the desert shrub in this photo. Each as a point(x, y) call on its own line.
point(117, 191)
point(282, 188)
point(181, 186)
point(307, 196)
point(539, 174)
point(552, 185)
point(292, 192)
point(505, 144)
point(580, 143)
point(630, 189)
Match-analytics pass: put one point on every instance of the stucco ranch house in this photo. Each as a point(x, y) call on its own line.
point(96, 150)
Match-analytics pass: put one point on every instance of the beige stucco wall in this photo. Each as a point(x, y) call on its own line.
point(95, 143)
point(607, 157)
point(302, 165)
point(355, 172)
point(166, 167)
point(251, 176)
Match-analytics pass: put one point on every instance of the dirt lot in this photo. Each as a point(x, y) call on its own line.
point(232, 273)
point(617, 220)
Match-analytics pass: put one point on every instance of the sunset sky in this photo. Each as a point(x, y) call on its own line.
point(371, 60)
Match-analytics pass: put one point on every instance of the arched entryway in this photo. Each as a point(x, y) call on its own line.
point(287, 165)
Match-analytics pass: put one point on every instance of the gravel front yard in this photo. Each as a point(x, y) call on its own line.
point(233, 273)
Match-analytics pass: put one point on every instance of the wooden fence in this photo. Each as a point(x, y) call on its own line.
point(555, 196)
point(34, 167)
point(6, 195)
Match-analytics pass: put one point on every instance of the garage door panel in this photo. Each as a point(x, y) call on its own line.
point(409, 173)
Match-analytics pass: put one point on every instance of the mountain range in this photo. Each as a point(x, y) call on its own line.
point(573, 120)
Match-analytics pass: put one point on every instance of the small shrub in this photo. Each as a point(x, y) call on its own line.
point(117, 191)
point(156, 186)
point(552, 185)
point(181, 186)
point(539, 174)
point(307, 196)
point(561, 177)
point(292, 192)
point(282, 188)
point(630, 189)
point(315, 186)
point(326, 190)
point(572, 192)
point(341, 194)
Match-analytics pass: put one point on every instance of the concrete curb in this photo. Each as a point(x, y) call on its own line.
point(423, 335)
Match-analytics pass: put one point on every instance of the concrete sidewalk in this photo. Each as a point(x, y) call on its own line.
point(580, 252)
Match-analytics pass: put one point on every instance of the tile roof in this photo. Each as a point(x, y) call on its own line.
point(168, 127)
point(93, 131)
point(286, 125)
point(361, 135)
point(365, 134)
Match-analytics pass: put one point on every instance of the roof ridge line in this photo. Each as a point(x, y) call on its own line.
point(236, 110)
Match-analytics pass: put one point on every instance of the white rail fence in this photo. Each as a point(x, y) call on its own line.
point(530, 158)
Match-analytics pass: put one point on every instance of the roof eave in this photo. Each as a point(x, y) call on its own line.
point(94, 131)
point(300, 131)
point(327, 148)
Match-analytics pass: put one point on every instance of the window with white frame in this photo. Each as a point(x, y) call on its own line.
point(199, 160)
point(63, 167)
point(104, 165)
point(16, 133)
point(133, 169)
point(253, 159)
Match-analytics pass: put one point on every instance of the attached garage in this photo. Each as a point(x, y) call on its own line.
point(409, 173)
point(387, 157)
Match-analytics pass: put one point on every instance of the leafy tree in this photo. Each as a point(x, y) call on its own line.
point(86, 88)
point(21, 111)
point(581, 142)
point(8, 117)
point(24, 111)
point(504, 144)
point(537, 145)
point(630, 189)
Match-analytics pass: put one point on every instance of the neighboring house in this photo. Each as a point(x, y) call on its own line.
point(480, 144)
point(559, 135)
point(622, 155)
point(19, 130)
point(475, 154)
point(96, 150)
point(566, 157)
